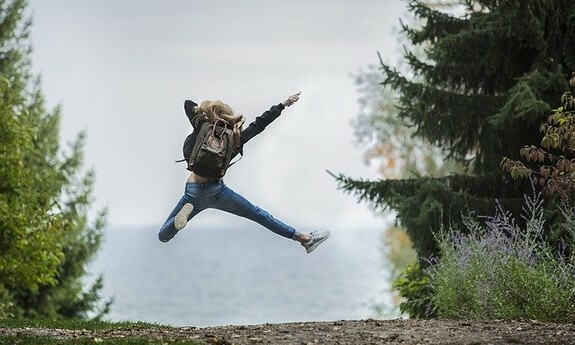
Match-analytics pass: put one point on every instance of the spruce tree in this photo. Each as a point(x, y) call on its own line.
point(486, 82)
point(46, 239)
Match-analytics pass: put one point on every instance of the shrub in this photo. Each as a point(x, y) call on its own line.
point(414, 288)
point(551, 166)
point(495, 269)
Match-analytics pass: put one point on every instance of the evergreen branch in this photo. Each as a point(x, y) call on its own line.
point(438, 24)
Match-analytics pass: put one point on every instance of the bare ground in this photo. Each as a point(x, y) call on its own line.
point(406, 332)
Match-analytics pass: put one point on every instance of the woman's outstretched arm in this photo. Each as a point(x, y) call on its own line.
point(262, 121)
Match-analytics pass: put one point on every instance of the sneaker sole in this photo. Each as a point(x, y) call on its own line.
point(311, 249)
point(181, 218)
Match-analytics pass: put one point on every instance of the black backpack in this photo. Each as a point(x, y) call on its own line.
point(213, 151)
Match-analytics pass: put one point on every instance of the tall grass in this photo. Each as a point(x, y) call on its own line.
point(495, 269)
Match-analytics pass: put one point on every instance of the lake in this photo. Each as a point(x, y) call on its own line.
point(245, 275)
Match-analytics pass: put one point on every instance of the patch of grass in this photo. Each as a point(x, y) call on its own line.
point(32, 340)
point(75, 324)
point(92, 339)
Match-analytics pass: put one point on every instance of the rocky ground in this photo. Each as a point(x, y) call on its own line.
point(407, 332)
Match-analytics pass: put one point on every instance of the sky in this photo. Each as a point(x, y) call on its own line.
point(121, 70)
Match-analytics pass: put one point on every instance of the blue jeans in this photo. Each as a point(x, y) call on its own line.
point(217, 195)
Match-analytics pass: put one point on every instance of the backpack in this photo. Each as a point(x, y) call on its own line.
point(213, 150)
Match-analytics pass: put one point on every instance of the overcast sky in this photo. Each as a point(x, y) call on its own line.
point(121, 71)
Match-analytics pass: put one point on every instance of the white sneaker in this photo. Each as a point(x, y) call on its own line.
point(316, 240)
point(181, 218)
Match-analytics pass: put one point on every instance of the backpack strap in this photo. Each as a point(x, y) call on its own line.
point(239, 159)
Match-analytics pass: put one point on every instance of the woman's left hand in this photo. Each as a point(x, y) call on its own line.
point(291, 99)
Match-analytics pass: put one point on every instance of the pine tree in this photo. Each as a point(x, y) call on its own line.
point(486, 83)
point(45, 238)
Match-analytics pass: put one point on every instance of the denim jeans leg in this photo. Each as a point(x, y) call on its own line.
point(168, 230)
point(232, 202)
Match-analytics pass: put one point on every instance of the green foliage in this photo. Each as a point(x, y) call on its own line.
point(427, 203)
point(91, 332)
point(44, 340)
point(388, 138)
point(29, 262)
point(76, 324)
point(479, 92)
point(45, 237)
point(415, 288)
point(551, 166)
point(496, 269)
point(476, 86)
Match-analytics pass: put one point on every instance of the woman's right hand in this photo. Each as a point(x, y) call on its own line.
point(291, 99)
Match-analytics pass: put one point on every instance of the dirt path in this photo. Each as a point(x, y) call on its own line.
point(406, 332)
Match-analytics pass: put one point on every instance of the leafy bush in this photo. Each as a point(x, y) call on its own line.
point(496, 269)
point(415, 289)
point(551, 166)
point(6, 304)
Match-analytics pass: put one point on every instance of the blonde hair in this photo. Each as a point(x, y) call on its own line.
point(218, 110)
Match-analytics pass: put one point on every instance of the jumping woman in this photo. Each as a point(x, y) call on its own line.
point(202, 192)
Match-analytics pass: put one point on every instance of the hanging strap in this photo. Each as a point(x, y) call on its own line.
point(239, 159)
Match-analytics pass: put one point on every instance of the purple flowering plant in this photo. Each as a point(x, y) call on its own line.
point(493, 268)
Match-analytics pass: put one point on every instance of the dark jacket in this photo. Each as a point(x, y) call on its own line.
point(253, 129)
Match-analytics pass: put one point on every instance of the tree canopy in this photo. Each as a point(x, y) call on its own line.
point(46, 239)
